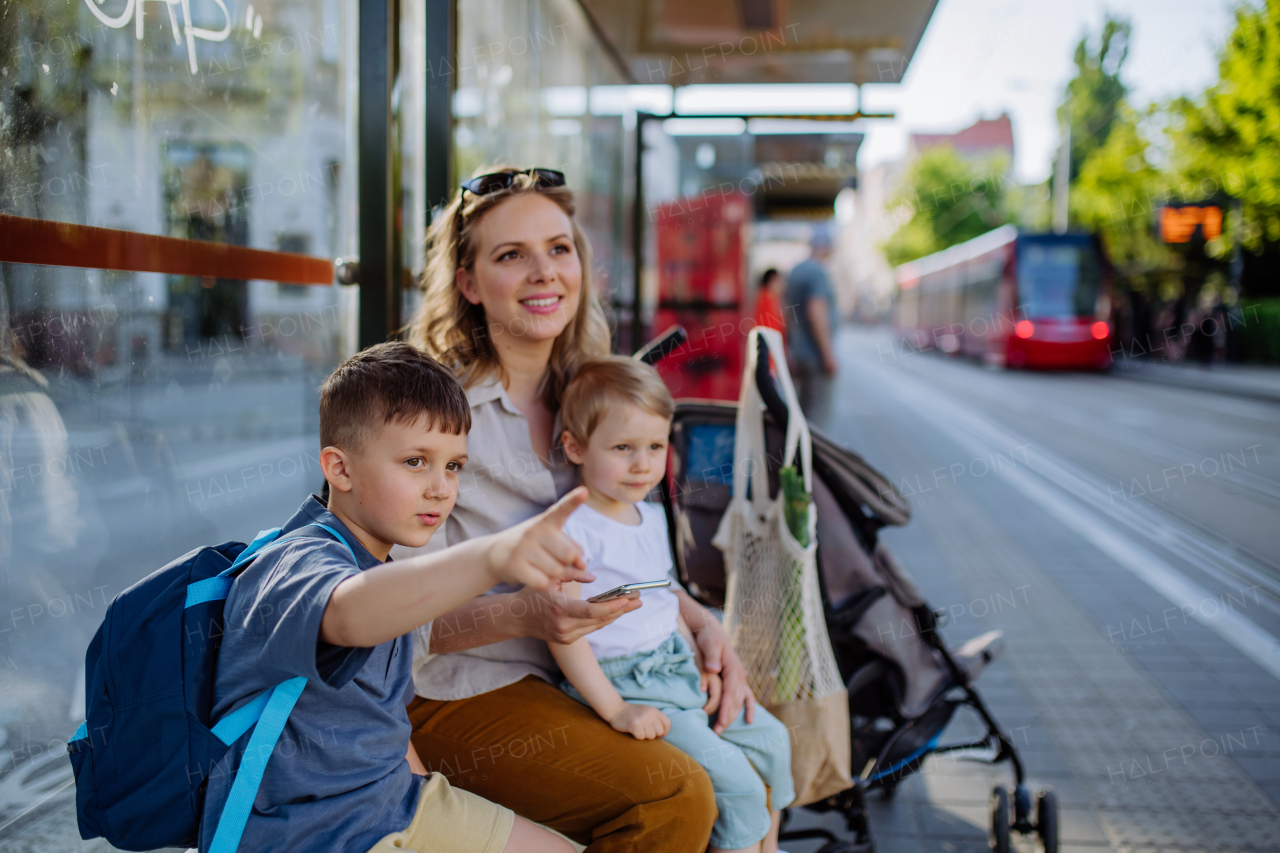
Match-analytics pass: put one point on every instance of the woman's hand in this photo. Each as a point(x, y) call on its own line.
point(556, 618)
point(718, 657)
point(643, 722)
point(711, 684)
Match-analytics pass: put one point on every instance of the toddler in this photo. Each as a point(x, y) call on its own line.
point(640, 673)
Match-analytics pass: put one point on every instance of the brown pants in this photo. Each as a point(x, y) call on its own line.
point(550, 759)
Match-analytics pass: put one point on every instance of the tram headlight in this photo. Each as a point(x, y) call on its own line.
point(1100, 330)
point(1024, 328)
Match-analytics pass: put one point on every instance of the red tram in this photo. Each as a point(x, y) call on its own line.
point(1011, 299)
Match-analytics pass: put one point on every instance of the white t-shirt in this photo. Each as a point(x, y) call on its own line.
point(618, 553)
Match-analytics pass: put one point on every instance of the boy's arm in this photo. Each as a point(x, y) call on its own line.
point(384, 602)
point(579, 665)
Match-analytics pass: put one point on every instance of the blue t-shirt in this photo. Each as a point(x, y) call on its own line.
point(807, 280)
point(338, 779)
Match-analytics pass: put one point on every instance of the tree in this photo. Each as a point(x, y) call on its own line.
point(1095, 96)
point(946, 199)
point(1228, 141)
point(1115, 197)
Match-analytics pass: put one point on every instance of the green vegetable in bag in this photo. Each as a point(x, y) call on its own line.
point(792, 654)
point(795, 504)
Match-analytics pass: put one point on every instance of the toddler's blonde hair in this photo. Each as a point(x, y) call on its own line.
point(612, 379)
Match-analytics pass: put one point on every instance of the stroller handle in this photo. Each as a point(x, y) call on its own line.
point(676, 336)
point(773, 402)
point(662, 346)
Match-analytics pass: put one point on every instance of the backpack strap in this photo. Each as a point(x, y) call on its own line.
point(217, 587)
point(266, 713)
point(235, 812)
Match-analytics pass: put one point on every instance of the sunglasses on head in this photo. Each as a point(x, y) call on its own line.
point(495, 181)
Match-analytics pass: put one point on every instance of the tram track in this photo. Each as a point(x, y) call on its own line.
point(1155, 545)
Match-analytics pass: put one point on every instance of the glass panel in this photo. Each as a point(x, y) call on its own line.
point(142, 414)
point(525, 73)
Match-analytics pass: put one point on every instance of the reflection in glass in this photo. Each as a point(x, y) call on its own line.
point(524, 72)
point(142, 414)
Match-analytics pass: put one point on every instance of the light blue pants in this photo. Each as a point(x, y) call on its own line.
point(740, 762)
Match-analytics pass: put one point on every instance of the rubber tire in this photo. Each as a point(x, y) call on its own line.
point(998, 840)
point(1047, 820)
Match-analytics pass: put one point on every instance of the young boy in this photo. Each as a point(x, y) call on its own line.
point(344, 777)
point(639, 673)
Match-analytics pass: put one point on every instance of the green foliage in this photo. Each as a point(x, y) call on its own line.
point(1260, 334)
point(1229, 139)
point(1029, 206)
point(1095, 96)
point(947, 200)
point(1116, 194)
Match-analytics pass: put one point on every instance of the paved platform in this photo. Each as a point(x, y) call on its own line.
point(1156, 732)
point(1240, 380)
point(1139, 680)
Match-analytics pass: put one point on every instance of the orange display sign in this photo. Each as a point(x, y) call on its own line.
point(1178, 224)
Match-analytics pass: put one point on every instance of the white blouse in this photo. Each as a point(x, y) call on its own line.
point(503, 483)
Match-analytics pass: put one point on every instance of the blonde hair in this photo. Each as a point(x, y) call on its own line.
point(453, 330)
point(613, 379)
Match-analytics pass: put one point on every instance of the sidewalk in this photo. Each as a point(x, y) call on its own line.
point(1255, 382)
point(1101, 710)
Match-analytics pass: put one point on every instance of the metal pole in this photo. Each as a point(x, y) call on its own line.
point(379, 237)
point(441, 82)
point(637, 240)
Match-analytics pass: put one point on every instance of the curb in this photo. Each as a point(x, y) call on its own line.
point(1195, 378)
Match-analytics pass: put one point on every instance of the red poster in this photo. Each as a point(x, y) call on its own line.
point(702, 272)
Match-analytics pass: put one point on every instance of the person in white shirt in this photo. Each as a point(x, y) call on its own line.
point(640, 673)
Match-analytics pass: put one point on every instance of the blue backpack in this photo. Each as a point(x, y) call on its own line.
point(144, 753)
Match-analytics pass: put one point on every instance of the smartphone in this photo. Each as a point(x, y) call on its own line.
point(626, 589)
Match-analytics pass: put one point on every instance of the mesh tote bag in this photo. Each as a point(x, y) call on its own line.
point(773, 605)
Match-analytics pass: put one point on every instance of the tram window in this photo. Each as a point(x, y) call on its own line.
point(1057, 280)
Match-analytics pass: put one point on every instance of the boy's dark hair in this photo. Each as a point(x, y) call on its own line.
point(389, 382)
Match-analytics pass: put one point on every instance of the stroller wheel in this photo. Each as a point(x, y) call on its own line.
point(999, 837)
point(1047, 820)
point(1021, 808)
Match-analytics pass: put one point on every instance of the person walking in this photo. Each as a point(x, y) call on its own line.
point(810, 313)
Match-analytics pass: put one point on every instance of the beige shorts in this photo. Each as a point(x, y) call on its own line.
point(451, 820)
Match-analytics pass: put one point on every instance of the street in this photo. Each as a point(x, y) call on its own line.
point(1123, 535)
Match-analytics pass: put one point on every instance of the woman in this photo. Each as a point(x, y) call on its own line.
point(509, 302)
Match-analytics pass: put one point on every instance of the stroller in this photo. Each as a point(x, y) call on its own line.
point(903, 686)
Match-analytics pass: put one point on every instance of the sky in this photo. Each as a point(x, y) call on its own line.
point(979, 58)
